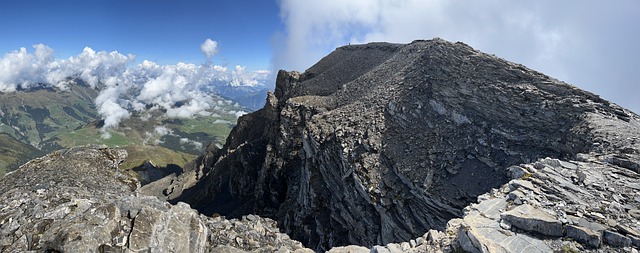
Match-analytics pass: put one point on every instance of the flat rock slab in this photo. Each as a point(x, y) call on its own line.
point(527, 217)
point(349, 249)
point(616, 240)
point(584, 235)
point(480, 234)
point(491, 208)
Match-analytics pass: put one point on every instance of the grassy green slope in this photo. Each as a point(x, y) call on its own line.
point(14, 153)
point(51, 119)
point(160, 156)
point(36, 116)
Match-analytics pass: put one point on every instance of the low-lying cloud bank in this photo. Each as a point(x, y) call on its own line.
point(182, 90)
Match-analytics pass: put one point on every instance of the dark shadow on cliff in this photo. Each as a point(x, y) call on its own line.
point(448, 120)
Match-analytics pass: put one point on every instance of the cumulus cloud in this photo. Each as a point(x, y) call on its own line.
point(109, 106)
point(195, 144)
point(209, 48)
point(592, 45)
point(162, 130)
point(21, 70)
point(240, 77)
point(181, 90)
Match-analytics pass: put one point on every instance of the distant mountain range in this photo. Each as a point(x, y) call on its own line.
point(37, 121)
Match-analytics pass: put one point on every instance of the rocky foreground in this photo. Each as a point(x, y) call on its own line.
point(78, 200)
point(430, 146)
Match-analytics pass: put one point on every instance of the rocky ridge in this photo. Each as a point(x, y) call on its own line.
point(380, 143)
point(430, 146)
point(78, 200)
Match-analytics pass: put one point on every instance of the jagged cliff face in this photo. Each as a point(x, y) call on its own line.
point(381, 142)
point(382, 145)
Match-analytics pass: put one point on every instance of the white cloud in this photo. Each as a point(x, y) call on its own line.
point(21, 70)
point(110, 108)
point(162, 131)
point(239, 113)
point(240, 77)
point(587, 43)
point(195, 144)
point(182, 90)
point(196, 106)
point(209, 48)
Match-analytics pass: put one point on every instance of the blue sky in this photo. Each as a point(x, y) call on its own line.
point(162, 31)
point(592, 44)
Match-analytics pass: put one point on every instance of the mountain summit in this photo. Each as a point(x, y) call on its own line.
point(381, 142)
point(420, 147)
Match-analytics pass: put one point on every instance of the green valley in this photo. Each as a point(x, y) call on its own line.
point(38, 121)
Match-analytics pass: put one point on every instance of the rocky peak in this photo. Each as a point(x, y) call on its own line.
point(381, 142)
point(430, 146)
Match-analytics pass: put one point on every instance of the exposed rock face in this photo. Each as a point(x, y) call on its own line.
point(380, 143)
point(556, 206)
point(77, 200)
point(425, 147)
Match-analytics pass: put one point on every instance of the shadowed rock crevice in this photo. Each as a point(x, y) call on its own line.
point(381, 142)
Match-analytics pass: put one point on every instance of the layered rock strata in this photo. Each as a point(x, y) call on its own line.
point(430, 146)
point(379, 143)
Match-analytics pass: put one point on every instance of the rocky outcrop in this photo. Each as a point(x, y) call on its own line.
point(78, 200)
point(425, 147)
point(555, 207)
point(380, 143)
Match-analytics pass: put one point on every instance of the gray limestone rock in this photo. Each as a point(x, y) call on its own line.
point(635, 240)
point(616, 240)
point(527, 217)
point(349, 249)
point(584, 235)
point(517, 197)
point(515, 172)
point(78, 200)
point(480, 234)
point(375, 144)
point(349, 150)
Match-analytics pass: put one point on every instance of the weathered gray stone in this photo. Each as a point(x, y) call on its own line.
point(480, 234)
point(433, 236)
point(380, 249)
point(568, 165)
point(528, 218)
point(372, 131)
point(635, 240)
point(519, 183)
point(584, 235)
point(394, 248)
point(491, 208)
point(627, 230)
point(515, 172)
point(94, 207)
point(376, 143)
point(349, 249)
point(616, 240)
point(517, 197)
